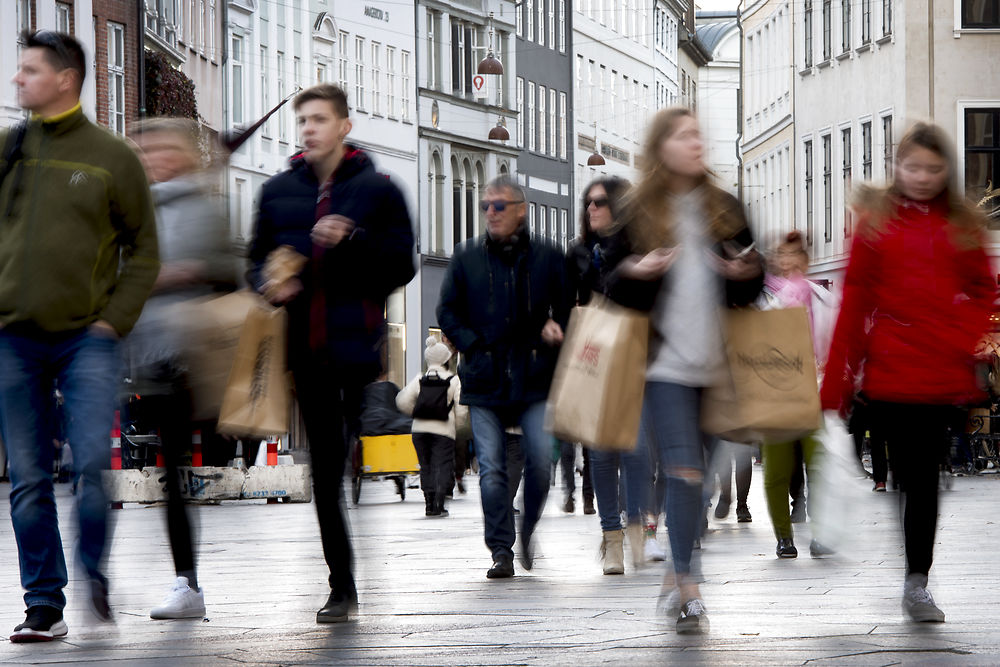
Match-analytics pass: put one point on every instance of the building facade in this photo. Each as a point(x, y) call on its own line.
point(899, 67)
point(718, 95)
point(543, 94)
point(767, 120)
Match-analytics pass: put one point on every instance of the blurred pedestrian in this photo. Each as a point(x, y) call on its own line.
point(567, 461)
point(786, 286)
point(433, 398)
point(918, 268)
point(196, 260)
point(331, 206)
point(589, 268)
point(504, 304)
point(726, 455)
point(692, 252)
point(78, 258)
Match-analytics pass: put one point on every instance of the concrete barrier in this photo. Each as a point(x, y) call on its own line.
point(211, 484)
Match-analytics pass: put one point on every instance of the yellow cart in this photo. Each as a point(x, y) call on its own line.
point(381, 457)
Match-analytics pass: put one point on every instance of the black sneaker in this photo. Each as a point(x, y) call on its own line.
point(99, 600)
point(693, 618)
point(743, 514)
point(786, 548)
point(820, 550)
point(338, 607)
point(722, 508)
point(503, 568)
point(41, 624)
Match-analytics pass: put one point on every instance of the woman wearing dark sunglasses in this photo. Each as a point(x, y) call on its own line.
point(589, 261)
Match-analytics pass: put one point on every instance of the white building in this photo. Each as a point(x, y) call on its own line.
point(718, 95)
point(767, 120)
point(456, 157)
point(614, 86)
point(898, 68)
point(667, 21)
point(274, 50)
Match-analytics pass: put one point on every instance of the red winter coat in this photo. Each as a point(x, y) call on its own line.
point(928, 299)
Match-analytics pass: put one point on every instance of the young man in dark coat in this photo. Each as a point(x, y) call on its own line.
point(353, 225)
point(504, 304)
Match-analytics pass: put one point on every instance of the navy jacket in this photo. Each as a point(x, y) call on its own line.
point(495, 299)
point(358, 274)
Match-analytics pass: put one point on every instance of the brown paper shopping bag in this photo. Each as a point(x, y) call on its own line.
point(596, 395)
point(772, 393)
point(256, 400)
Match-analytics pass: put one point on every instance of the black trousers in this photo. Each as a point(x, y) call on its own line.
point(917, 437)
point(330, 401)
point(436, 454)
point(567, 460)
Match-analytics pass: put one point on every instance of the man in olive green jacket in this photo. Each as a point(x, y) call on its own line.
point(78, 258)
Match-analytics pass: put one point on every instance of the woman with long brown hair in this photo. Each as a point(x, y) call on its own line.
point(689, 253)
point(919, 272)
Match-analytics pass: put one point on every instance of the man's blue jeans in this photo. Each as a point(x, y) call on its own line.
point(86, 367)
point(491, 452)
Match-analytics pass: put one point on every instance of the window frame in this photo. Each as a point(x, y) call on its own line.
point(116, 77)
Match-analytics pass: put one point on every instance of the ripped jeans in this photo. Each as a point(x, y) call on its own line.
point(672, 422)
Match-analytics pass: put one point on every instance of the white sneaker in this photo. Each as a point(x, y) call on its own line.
point(653, 550)
point(181, 601)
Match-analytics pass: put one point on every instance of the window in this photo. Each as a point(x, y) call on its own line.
point(845, 25)
point(64, 18)
point(552, 24)
point(982, 151)
point(809, 191)
point(887, 146)
point(320, 72)
point(529, 12)
point(887, 17)
point(116, 77)
point(980, 14)
point(541, 119)
point(519, 101)
point(564, 225)
point(296, 72)
point(552, 122)
point(236, 63)
point(390, 81)
point(519, 20)
point(541, 22)
point(561, 8)
point(211, 30)
point(531, 115)
point(283, 111)
point(404, 97)
point(342, 61)
point(848, 167)
point(807, 28)
point(827, 189)
point(827, 28)
point(543, 227)
point(376, 78)
point(866, 151)
point(433, 80)
point(562, 125)
point(866, 21)
point(531, 218)
point(359, 73)
point(265, 104)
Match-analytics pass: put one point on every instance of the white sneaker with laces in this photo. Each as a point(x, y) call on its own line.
point(918, 603)
point(653, 551)
point(181, 601)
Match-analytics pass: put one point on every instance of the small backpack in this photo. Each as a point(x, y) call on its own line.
point(432, 399)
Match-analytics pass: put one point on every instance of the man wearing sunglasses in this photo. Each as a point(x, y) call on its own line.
point(78, 257)
point(504, 304)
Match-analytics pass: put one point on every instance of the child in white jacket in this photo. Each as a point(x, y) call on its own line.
point(435, 414)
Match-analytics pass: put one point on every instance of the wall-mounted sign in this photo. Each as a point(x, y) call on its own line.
point(479, 89)
point(376, 13)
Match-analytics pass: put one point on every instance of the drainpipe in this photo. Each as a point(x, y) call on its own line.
point(739, 108)
point(930, 59)
point(141, 58)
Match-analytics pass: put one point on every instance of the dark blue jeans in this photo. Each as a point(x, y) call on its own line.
point(86, 366)
point(672, 423)
point(636, 471)
point(491, 452)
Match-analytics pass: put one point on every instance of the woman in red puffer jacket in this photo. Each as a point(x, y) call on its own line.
point(919, 272)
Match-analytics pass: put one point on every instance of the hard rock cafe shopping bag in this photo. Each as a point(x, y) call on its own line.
point(256, 400)
point(773, 394)
point(596, 395)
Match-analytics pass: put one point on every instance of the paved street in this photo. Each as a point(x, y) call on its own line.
point(425, 600)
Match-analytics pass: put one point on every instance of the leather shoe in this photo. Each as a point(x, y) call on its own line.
point(503, 568)
point(819, 550)
point(786, 548)
point(337, 608)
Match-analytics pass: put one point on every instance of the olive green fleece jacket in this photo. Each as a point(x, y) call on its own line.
point(77, 229)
